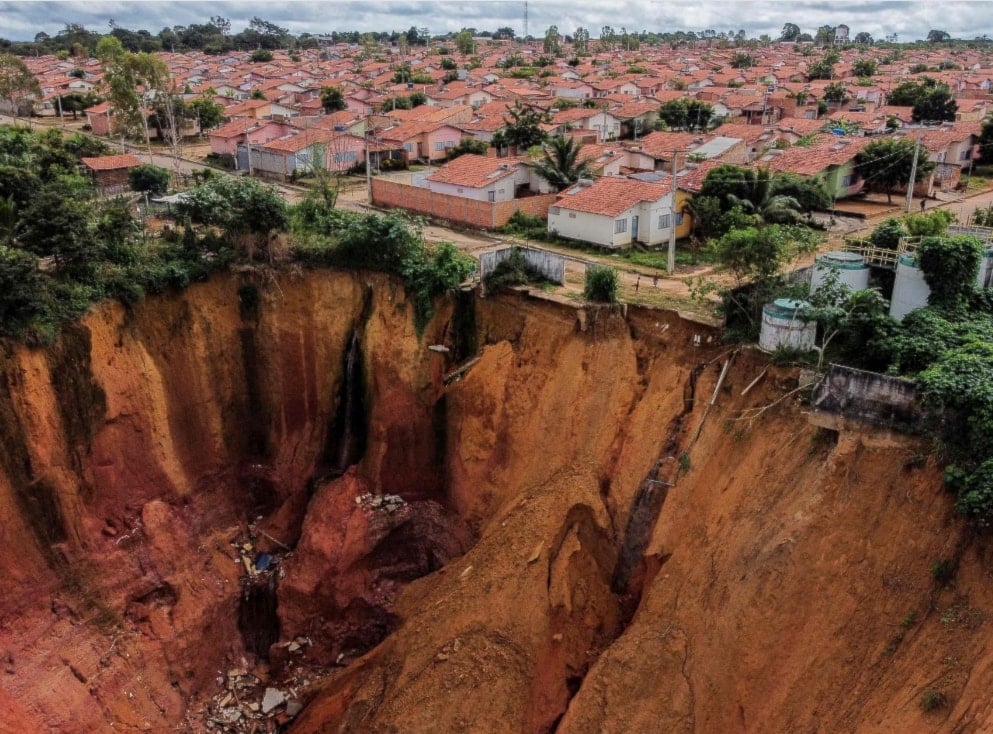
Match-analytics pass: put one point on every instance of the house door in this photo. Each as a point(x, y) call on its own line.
point(634, 229)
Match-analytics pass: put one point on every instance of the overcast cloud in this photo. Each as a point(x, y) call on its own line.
point(910, 20)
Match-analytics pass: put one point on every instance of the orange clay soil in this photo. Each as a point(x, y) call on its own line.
point(566, 536)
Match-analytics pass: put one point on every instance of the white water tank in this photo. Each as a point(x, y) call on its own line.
point(910, 291)
point(783, 327)
point(851, 268)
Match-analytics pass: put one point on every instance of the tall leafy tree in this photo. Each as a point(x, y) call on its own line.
point(790, 32)
point(17, 83)
point(332, 99)
point(885, 164)
point(523, 126)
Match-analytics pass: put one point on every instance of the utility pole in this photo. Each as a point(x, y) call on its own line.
point(671, 262)
point(913, 174)
point(368, 169)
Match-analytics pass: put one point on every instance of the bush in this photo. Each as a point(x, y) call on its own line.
point(888, 234)
point(601, 284)
point(512, 271)
point(146, 177)
point(932, 699)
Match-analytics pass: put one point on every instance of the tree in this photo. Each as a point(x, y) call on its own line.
point(759, 254)
point(551, 42)
point(986, 142)
point(865, 67)
point(523, 126)
point(23, 290)
point(260, 55)
point(810, 193)
point(581, 41)
point(247, 210)
point(76, 102)
point(561, 164)
point(333, 99)
point(56, 225)
point(741, 60)
point(686, 114)
point(937, 105)
point(150, 178)
point(835, 307)
point(209, 114)
point(824, 35)
point(836, 92)
point(822, 69)
point(464, 42)
point(950, 266)
point(17, 82)
point(600, 284)
point(938, 37)
point(124, 73)
point(504, 33)
point(790, 32)
point(863, 39)
point(608, 38)
point(885, 164)
point(468, 145)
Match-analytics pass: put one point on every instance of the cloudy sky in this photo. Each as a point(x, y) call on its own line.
point(909, 19)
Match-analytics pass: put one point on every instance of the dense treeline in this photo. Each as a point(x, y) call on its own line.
point(63, 246)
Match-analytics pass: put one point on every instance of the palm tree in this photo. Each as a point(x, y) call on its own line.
point(759, 198)
point(561, 165)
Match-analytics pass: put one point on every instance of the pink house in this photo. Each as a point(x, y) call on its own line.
point(225, 139)
point(429, 140)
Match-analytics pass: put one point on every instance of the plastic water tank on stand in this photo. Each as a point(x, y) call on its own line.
point(782, 326)
point(910, 290)
point(851, 268)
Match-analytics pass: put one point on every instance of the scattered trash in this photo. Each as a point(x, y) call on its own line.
point(273, 697)
point(390, 502)
point(440, 348)
point(263, 561)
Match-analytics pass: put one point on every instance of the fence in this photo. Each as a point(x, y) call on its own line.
point(480, 214)
point(869, 396)
point(550, 265)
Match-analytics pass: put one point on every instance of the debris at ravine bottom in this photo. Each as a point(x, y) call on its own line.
point(389, 502)
point(247, 703)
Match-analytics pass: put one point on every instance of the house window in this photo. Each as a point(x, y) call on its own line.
point(572, 215)
point(491, 195)
point(554, 210)
point(348, 157)
point(439, 145)
point(679, 218)
point(664, 221)
point(620, 226)
point(847, 180)
point(409, 147)
point(964, 155)
point(449, 144)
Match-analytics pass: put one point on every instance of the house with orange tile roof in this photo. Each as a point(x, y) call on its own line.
point(484, 178)
point(305, 150)
point(430, 140)
point(110, 172)
point(614, 212)
point(829, 158)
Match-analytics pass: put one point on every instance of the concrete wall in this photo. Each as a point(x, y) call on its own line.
point(549, 264)
point(480, 214)
point(868, 396)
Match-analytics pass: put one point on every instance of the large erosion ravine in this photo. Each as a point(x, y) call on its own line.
point(531, 517)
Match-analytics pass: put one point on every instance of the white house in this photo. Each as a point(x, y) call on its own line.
point(483, 178)
point(614, 212)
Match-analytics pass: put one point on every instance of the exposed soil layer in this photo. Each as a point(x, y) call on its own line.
point(207, 494)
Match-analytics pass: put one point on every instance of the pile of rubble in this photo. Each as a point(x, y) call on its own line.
point(247, 704)
point(391, 503)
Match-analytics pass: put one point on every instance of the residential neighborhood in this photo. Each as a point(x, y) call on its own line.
point(645, 118)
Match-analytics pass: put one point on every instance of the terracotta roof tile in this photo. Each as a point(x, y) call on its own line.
point(610, 195)
point(111, 162)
